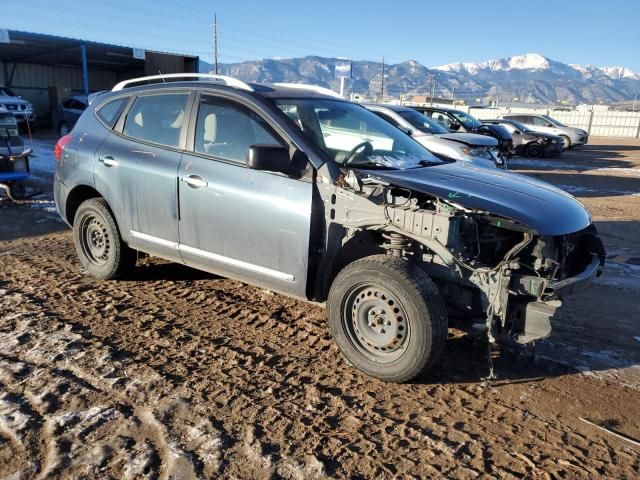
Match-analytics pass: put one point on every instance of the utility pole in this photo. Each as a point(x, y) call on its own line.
point(634, 101)
point(215, 42)
point(432, 89)
point(382, 82)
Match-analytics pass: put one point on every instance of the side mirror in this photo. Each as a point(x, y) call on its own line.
point(408, 131)
point(517, 132)
point(273, 158)
point(454, 126)
point(550, 125)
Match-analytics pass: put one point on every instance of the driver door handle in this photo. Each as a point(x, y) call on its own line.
point(195, 181)
point(108, 161)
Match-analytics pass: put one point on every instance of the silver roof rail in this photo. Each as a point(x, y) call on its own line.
point(222, 79)
point(313, 88)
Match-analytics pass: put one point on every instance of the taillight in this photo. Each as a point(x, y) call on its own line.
point(63, 142)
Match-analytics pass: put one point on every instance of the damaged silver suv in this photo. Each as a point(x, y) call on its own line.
point(294, 189)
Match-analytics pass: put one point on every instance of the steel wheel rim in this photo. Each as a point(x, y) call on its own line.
point(94, 240)
point(375, 322)
point(565, 142)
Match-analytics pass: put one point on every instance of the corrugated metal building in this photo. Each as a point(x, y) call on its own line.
point(44, 69)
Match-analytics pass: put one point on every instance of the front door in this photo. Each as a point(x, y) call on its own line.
point(242, 223)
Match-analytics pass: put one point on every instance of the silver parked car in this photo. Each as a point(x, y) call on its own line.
point(293, 188)
point(480, 150)
point(571, 136)
point(68, 112)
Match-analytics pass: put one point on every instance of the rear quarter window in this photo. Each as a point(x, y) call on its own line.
point(110, 111)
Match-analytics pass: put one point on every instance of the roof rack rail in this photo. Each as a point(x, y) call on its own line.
point(313, 88)
point(222, 79)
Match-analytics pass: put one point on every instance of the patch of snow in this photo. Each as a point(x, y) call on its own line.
point(620, 275)
point(605, 192)
point(620, 72)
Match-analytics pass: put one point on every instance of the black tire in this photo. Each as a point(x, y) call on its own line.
point(17, 191)
point(390, 293)
point(566, 142)
point(99, 246)
point(534, 149)
point(63, 129)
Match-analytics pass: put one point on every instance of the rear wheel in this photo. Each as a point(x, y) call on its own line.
point(17, 191)
point(387, 317)
point(566, 142)
point(98, 243)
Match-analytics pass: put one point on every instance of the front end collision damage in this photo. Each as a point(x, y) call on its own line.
point(487, 266)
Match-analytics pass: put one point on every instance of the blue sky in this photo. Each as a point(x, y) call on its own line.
point(600, 33)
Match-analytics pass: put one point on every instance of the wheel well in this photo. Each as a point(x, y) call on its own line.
point(362, 244)
point(78, 195)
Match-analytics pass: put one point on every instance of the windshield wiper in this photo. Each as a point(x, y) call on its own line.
point(370, 164)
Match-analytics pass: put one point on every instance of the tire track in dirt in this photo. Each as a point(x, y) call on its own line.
point(244, 383)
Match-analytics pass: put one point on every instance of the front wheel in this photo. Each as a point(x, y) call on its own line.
point(387, 317)
point(534, 150)
point(566, 142)
point(100, 248)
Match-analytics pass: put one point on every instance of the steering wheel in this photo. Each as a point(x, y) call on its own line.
point(368, 148)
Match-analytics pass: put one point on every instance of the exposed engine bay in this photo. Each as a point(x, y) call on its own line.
point(486, 266)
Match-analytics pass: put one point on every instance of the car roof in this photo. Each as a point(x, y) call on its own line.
point(264, 90)
point(440, 109)
point(395, 108)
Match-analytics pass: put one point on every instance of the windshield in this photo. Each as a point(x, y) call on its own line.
point(422, 123)
point(554, 121)
point(515, 125)
point(4, 91)
point(467, 120)
point(352, 135)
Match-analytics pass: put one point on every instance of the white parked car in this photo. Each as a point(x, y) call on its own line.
point(480, 150)
point(543, 123)
point(18, 106)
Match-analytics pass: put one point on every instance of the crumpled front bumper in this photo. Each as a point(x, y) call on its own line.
point(531, 321)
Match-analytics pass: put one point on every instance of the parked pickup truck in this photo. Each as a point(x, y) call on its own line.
point(245, 181)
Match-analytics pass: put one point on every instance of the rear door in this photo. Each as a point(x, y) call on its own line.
point(242, 223)
point(146, 149)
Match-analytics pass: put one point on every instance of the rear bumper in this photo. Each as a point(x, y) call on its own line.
point(505, 146)
point(8, 177)
point(60, 193)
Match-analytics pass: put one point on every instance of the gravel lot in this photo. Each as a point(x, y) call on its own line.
point(175, 373)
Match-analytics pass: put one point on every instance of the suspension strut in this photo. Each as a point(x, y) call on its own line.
point(395, 244)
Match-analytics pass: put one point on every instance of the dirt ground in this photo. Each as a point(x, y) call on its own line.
point(174, 373)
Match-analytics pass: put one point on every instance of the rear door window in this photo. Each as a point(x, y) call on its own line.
point(539, 121)
point(157, 118)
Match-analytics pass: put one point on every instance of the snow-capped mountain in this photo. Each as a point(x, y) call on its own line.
point(531, 77)
point(534, 62)
point(620, 72)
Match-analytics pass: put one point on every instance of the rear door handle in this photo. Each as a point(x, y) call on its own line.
point(108, 161)
point(195, 181)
